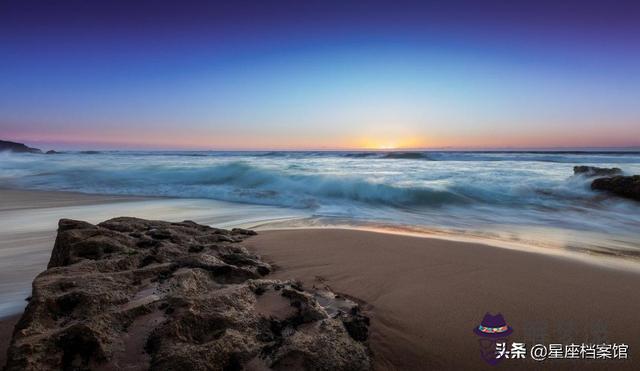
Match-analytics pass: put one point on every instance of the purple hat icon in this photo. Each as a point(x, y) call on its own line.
point(493, 326)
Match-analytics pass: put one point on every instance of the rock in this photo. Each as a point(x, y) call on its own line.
point(347, 311)
point(591, 171)
point(17, 147)
point(137, 294)
point(357, 325)
point(623, 186)
point(246, 232)
point(52, 152)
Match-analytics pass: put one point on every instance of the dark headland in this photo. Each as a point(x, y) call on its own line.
point(17, 147)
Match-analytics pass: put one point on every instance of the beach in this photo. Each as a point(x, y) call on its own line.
point(424, 295)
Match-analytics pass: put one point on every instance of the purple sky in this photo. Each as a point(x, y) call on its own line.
point(320, 74)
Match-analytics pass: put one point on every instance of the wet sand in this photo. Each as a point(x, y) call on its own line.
point(16, 199)
point(426, 295)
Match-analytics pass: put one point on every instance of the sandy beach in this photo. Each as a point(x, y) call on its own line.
point(423, 295)
point(426, 295)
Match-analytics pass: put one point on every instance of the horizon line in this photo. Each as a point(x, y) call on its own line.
point(96, 146)
point(382, 150)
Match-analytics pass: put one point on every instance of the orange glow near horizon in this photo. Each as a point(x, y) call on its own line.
point(402, 139)
point(390, 143)
point(257, 143)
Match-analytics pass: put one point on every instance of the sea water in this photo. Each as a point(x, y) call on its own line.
point(530, 198)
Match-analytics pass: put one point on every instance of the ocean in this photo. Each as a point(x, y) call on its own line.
point(526, 198)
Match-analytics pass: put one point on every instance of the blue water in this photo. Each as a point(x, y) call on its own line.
point(498, 193)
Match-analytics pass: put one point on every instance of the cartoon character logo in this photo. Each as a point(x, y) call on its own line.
point(492, 330)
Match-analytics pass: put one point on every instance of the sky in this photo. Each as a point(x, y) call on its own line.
point(320, 74)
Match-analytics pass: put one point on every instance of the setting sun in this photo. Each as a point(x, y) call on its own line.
point(390, 144)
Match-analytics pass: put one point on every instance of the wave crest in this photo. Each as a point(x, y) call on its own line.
point(240, 182)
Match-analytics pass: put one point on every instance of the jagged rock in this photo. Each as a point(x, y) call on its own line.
point(137, 294)
point(591, 171)
point(624, 186)
point(17, 147)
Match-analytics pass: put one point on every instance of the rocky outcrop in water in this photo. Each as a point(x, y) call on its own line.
point(136, 294)
point(623, 186)
point(17, 147)
point(592, 171)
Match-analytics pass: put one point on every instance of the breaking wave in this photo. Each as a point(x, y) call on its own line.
point(451, 189)
point(240, 182)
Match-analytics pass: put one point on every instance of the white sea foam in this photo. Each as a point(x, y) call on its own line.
point(464, 190)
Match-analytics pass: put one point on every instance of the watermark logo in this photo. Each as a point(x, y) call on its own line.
point(493, 337)
point(492, 331)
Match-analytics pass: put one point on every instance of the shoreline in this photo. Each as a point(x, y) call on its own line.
point(618, 262)
point(27, 237)
point(25, 200)
point(15, 199)
point(599, 255)
point(417, 289)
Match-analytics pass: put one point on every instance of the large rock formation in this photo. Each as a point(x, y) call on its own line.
point(592, 171)
point(17, 147)
point(136, 294)
point(624, 186)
